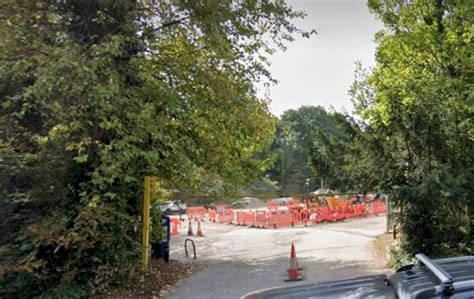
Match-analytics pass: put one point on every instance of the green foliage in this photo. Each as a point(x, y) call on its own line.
point(342, 155)
point(312, 143)
point(398, 257)
point(55, 258)
point(418, 105)
point(294, 145)
point(96, 94)
point(261, 186)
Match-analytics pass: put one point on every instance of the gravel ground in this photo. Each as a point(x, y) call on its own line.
point(238, 260)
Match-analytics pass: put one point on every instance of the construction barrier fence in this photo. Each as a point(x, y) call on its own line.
point(273, 218)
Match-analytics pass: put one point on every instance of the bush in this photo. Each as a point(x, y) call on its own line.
point(399, 257)
point(58, 260)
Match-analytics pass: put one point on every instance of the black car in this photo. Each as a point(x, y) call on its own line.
point(442, 278)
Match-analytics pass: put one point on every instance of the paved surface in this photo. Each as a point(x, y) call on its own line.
point(239, 260)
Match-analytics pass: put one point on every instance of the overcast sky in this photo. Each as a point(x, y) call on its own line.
point(320, 70)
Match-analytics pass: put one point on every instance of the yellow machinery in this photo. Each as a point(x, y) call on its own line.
point(330, 202)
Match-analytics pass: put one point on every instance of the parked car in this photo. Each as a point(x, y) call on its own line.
point(173, 207)
point(247, 202)
point(442, 278)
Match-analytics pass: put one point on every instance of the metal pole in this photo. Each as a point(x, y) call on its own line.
point(146, 222)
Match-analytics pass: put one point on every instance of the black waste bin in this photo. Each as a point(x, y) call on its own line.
point(161, 249)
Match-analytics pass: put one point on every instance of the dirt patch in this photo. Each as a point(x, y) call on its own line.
point(155, 283)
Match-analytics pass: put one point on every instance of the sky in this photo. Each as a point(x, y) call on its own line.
point(320, 70)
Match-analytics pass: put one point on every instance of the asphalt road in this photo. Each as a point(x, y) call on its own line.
point(238, 260)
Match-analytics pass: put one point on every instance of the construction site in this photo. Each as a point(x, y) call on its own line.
point(242, 250)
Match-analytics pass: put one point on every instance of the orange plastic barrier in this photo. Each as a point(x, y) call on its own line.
point(322, 214)
point(226, 217)
point(249, 218)
point(271, 220)
point(212, 215)
point(196, 212)
point(272, 206)
point(276, 219)
point(296, 217)
point(304, 216)
point(378, 208)
point(287, 219)
point(239, 218)
point(222, 208)
point(350, 211)
point(339, 213)
point(260, 219)
point(280, 219)
point(175, 226)
point(293, 204)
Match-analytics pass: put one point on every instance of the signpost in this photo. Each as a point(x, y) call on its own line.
point(149, 190)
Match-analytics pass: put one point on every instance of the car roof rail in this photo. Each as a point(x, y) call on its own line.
point(457, 259)
point(444, 277)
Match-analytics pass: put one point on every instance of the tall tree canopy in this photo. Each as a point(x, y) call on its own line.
point(299, 143)
point(96, 94)
point(418, 104)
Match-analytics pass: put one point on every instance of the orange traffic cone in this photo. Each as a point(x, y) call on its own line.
point(199, 231)
point(190, 229)
point(293, 274)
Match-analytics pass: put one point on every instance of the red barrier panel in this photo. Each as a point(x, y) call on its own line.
point(249, 218)
point(240, 218)
point(350, 211)
point(364, 212)
point(196, 211)
point(339, 214)
point(221, 209)
point(359, 210)
point(331, 215)
point(293, 204)
point(284, 219)
point(212, 215)
point(260, 219)
point(304, 216)
point(226, 217)
point(296, 219)
point(378, 208)
point(271, 221)
point(175, 226)
point(322, 214)
point(272, 206)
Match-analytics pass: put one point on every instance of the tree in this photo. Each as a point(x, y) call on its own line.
point(96, 94)
point(298, 140)
point(342, 155)
point(418, 104)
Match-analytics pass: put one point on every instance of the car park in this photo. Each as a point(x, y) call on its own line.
point(441, 278)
